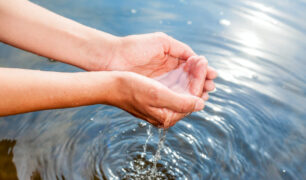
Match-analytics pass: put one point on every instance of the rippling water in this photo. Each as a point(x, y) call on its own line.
point(253, 126)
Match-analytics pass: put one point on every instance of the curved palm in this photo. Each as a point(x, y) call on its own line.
point(188, 78)
point(149, 54)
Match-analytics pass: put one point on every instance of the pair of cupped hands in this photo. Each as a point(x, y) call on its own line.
point(164, 80)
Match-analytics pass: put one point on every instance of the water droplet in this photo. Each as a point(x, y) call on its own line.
point(225, 22)
point(133, 11)
point(91, 119)
point(142, 163)
point(204, 156)
point(189, 22)
point(142, 124)
point(209, 140)
point(51, 60)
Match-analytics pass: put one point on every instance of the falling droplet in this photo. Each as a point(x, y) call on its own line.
point(142, 124)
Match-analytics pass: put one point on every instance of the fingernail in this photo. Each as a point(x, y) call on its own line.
point(199, 105)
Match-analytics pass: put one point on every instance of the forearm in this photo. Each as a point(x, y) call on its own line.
point(33, 28)
point(30, 90)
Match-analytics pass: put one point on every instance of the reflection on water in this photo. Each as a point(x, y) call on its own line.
point(253, 126)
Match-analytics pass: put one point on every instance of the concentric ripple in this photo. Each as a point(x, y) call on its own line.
point(252, 127)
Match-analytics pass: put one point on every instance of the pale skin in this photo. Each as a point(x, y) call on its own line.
point(119, 65)
point(188, 78)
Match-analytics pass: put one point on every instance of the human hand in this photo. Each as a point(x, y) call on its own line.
point(150, 54)
point(188, 78)
point(152, 101)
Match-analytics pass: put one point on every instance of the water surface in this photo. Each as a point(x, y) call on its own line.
point(253, 126)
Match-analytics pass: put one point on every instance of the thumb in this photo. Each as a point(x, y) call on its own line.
point(181, 103)
point(176, 48)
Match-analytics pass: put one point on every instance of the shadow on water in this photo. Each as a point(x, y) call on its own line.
point(253, 126)
point(7, 166)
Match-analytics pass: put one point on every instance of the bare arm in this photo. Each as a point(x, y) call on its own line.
point(31, 90)
point(33, 28)
point(30, 27)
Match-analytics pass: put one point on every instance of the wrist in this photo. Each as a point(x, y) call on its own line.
point(101, 48)
point(115, 93)
point(103, 87)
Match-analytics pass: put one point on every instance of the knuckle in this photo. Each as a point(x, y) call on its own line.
point(164, 40)
point(203, 59)
point(161, 35)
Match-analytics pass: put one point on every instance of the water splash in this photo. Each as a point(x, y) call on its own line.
point(162, 137)
point(251, 128)
point(145, 165)
point(149, 132)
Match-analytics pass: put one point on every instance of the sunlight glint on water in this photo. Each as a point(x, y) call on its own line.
point(252, 127)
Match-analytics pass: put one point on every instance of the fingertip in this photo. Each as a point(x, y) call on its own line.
point(211, 73)
point(202, 68)
point(209, 85)
point(203, 59)
point(205, 96)
point(199, 104)
point(192, 58)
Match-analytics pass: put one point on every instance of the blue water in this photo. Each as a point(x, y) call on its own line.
point(253, 126)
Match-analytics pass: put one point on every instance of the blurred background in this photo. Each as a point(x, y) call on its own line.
point(253, 126)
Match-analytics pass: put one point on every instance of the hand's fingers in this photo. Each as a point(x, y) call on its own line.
point(205, 96)
point(211, 73)
point(153, 122)
point(146, 118)
point(177, 117)
point(198, 72)
point(209, 85)
point(176, 102)
point(163, 115)
point(180, 50)
point(169, 118)
point(176, 48)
